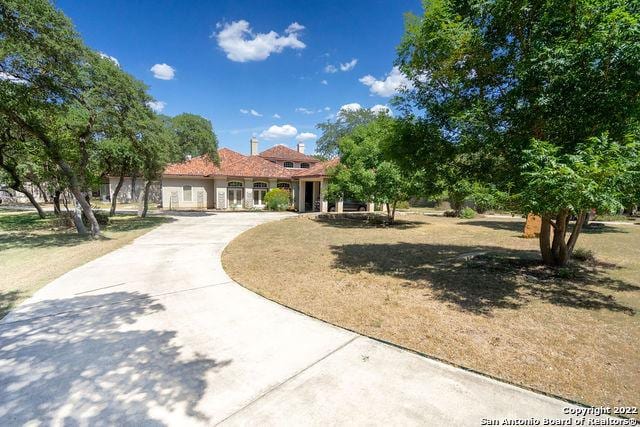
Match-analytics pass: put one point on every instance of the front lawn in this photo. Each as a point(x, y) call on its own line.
point(35, 251)
point(470, 292)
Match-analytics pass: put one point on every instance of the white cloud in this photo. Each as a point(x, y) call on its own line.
point(327, 108)
point(276, 116)
point(391, 85)
point(243, 111)
point(255, 113)
point(303, 110)
point(381, 109)
point(354, 106)
point(330, 69)
point(241, 44)
point(306, 136)
point(348, 65)
point(113, 59)
point(276, 132)
point(163, 71)
point(294, 28)
point(157, 106)
point(324, 82)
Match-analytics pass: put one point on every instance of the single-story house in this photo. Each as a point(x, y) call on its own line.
point(241, 182)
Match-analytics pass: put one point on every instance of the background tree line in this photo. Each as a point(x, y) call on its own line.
point(534, 105)
point(69, 115)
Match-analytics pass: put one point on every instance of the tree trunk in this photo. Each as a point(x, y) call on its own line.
point(32, 199)
point(114, 196)
point(56, 203)
point(77, 220)
point(44, 193)
point(558, 252)
point(133, 186)
point(393, 213)
point(145, 200)
point(545, 240)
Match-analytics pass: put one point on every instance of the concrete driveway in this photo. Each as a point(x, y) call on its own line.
point(156, 333)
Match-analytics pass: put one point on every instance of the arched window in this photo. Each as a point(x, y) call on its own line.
point(260, 185)
point(186, 193)
point(304, 165)
point(284, 185)
point(235, 184)
point(288, 164)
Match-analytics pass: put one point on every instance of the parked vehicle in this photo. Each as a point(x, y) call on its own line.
point(349, 205)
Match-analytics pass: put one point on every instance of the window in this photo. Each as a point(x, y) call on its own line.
point(284, 185)
point(304, 165)
point(260, 185)
point(186, 193)
point(235, 184)
point(288, 164)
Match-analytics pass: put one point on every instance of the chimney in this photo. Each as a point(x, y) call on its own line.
point(301, 147)
point(254, 146)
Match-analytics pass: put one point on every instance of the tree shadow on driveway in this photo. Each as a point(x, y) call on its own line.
point(480, 279)
point(82, 361)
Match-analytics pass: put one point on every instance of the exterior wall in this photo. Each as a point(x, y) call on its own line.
point(202, 193)
point(125, 195)
point(220, 191)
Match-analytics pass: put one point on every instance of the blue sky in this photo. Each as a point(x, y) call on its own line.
point(270, 69)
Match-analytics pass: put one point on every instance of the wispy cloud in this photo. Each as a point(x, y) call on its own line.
point(392, 84)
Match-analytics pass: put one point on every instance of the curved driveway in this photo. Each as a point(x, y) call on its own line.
point(156, 333)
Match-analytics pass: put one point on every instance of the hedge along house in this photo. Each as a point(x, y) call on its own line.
point(241, 182)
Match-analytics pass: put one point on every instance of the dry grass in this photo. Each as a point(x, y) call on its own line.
point(470, 292)
point(33, 251)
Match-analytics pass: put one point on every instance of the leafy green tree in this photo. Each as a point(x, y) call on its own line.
point(346, 121)
point(494, 77)
point(194, 136)
point(366, 170)
point(559, 185)
point(46, 72)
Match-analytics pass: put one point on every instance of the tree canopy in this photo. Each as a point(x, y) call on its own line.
point(499, 82)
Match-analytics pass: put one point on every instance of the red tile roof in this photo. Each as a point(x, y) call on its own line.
point(318, 170)
point(231, 164)
point(282, 152)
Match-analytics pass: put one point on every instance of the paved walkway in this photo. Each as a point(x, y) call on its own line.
point(156, 333)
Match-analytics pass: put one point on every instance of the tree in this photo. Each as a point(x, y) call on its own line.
point(497, 79)
point(366, 170)
point(193, 136)
point(46, 70)
point(118, 157)
point(559, 185)
point(346, 121)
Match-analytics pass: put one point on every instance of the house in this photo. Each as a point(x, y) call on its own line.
point(241, 182)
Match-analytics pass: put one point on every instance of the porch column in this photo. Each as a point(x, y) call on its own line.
point(324, 205)
point(301, 196)
point(371, 207)
point(340, 205)
point(248, 193)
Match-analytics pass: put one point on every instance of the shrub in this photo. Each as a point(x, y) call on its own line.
point(467, 213)
point(277, 199)
point(581, 254)
point(101, 216)
point(403, 205)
